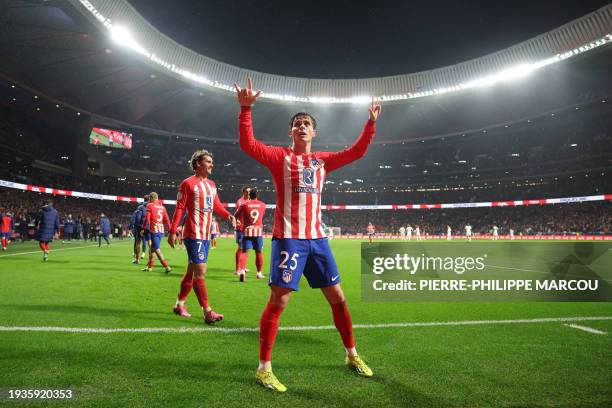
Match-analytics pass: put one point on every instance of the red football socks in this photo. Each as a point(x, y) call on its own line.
point(268, 327)
point(186, 286)
point(244, 258)
point(344, 324)
point(238, 254)
point(199, 287)
point(259, 260)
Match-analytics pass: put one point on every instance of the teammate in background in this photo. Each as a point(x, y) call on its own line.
point(198, 196)
point(511, 234)
point(299, 245)
point(7, 226)
point(214, 232)
point(154, 222)
point(370, 230)
point(402, 233)
point(468, 232)
point(495, 233)
point(449, 233)
point(68, 229)
point(245, 197)
point(417, 233)
point(409, 230)
point(104, 231)
point(48, 225)
point(136, 226)
point(251, 214)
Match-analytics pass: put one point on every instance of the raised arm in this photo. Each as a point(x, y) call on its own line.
point(254, 148)
point(334, 161)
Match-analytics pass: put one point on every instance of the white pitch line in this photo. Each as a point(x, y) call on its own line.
point(52, 250)
point(586, 329)
point(291, 328)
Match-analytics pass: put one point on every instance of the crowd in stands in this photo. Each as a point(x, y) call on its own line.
point(592, 218)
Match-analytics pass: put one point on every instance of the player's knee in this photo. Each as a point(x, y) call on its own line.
point(280, 297)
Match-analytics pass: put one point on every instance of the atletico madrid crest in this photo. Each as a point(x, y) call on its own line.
point(287, 276)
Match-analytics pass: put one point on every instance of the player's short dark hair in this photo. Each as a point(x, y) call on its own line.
point(245, 188)
point(146, 197)
point(303, 115)
point(197, 156)
point(253, 193)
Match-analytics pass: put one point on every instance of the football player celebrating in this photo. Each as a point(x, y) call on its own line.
point(198, 196)
point(299, 244)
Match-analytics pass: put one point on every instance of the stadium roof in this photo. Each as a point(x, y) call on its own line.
point(62, 52)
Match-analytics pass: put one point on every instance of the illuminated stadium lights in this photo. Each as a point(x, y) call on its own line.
point(574, 145)
point(515, 155)
point(462, 161)
point(123, 36)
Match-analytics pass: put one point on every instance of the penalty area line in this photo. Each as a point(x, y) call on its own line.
point(293, 328)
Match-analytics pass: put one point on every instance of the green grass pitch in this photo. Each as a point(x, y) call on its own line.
point(546, 364)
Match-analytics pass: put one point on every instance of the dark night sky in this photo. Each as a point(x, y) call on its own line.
point(353, 39)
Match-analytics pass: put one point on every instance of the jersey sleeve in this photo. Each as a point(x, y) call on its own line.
point(219, 209)
point(259, 151)
point(181, 203)
point(335, 160)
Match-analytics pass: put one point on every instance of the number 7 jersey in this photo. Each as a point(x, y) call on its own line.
point(251, 214)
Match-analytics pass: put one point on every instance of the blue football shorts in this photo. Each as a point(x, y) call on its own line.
point(239, 237)
point(256, 243)
point(311, 257)
point(197, 250)
point(156, 239)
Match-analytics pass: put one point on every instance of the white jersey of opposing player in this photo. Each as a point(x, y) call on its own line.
point(495, 230)
point(468, 230)
point(409, 231)
point(402, 232)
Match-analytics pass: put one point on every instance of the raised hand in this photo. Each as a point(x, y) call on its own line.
point(246, 96)
point(375, 108)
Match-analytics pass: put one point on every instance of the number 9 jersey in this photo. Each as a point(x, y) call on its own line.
point(251, 214)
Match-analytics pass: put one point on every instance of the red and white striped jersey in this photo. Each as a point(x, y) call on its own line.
point(251, 214)
point(238, 203)
point(214, 228)
point(199, 197)
point(299, 179)
point(156, 218)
